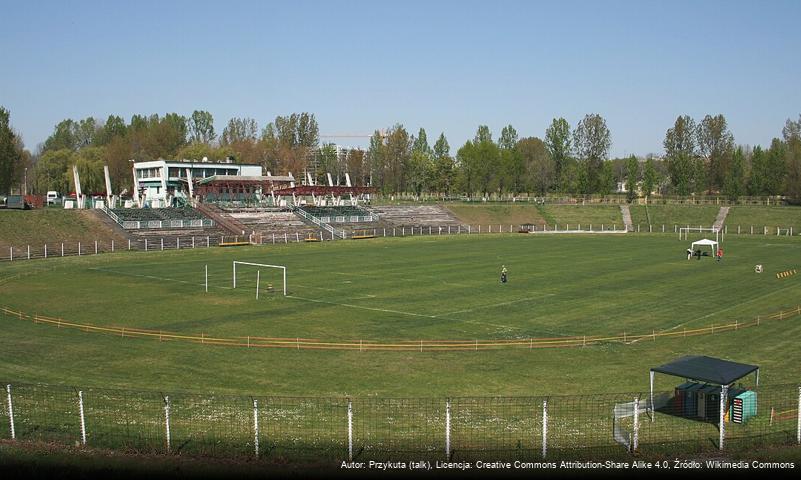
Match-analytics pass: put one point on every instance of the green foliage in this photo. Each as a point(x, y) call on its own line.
point(591, 142)
point(508, 138)
point(632, 175)
point(716, 146)
point(680, 154)
point(483, 134)
point(650, 177)
point(734, 184)
point(10, 154)
point(557, 140)
point(201, 127)
point(51, 171)
point(792, 140)
point(538, 165)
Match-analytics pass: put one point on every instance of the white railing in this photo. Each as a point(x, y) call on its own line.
point(325, 226)
point(140, 224)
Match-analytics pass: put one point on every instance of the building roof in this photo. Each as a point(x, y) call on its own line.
point(245, 179)
point(336, 190)
point(707, 369)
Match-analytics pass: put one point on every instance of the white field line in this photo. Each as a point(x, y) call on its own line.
point(361, 307)
point(500, 304)
point(723, 310)
point(153, 277)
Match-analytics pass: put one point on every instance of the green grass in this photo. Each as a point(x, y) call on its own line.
point(493, 214)
point(770, 217)
point(583, 214)
point(402, 289)
point(19, 228)
point(669, 215)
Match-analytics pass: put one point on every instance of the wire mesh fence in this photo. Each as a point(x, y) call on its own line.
point(681, 422)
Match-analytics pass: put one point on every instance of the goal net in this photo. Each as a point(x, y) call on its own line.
point(262, 277)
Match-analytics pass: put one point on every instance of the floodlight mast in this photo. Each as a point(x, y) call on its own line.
point(283, 268)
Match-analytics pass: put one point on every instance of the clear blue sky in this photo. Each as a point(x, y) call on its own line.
point(444, 66)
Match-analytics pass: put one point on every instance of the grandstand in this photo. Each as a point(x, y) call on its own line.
point(341, 214)
point(159, 218)
point(415, 215)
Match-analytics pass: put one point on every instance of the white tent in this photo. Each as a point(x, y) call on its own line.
point(705, 243)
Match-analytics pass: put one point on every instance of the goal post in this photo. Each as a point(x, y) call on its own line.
point(685, 231)
point(264, 265)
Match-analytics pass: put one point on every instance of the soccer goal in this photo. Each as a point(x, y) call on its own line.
point(258, 268)
point(685, 231)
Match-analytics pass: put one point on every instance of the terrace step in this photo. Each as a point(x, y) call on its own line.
point(626, 212)
point(721, 218)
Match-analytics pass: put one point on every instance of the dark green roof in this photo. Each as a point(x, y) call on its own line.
point(707, 369)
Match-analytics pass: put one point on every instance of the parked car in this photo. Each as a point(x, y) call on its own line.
point(53, 198)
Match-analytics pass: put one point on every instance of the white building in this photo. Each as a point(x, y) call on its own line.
point(161, 183)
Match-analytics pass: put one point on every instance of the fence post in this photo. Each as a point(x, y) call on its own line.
point(95, 247)
point(350, 430)
point(162, 244)
point(11, 412)
point(448, 429)
point(45, 250)
point(79, 249)
point(724, 389)
point(544, 427)
point(11, 253)
point(636, 440)
point(146, 244)
point(167, 420)
point(83, 419)
point(797, 434)
point(29, 252)
point(256, 426)
point(178, 243)
point(129, 244)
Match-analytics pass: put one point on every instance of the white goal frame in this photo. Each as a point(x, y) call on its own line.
point(684, 231)
point(283, 268)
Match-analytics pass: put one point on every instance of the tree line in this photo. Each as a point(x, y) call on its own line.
point(699, 157)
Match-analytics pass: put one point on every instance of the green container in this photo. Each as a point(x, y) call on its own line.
point(744, 406)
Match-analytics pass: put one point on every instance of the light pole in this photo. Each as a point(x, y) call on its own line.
point(26, 180)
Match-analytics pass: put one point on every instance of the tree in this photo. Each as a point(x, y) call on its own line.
point(538, 164)
point(50, 171)
point(792, 139)
point(759, 173)
point(716, 145)
point(397, 157)
point(201, 127)
point(420, 143)
point(680, 154)
point(10, 152)
point(376, 155)
point(508, 138)
point(733, 184)
point(441, 147)
point(591, 141)
point(632, 175)
point(557, 140)
point(776, 167)
point(483, 134)
point(606, 179)
point(63, 136)
point(239, 130)
point(650, 177)
point(113, 127)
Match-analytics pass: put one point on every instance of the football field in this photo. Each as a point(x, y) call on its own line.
point(402, 291)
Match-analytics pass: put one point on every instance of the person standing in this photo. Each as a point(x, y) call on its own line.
point(720, 254)
point(503, 273)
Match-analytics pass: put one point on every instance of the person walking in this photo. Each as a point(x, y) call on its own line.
point(503, 273)
point(720, 254)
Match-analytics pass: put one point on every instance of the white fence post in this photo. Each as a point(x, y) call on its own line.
point(544, 427)
point(11, 253)
point(448, 429)
point(167, 420)
point(723, 393)
point(112, 246)
point(256, 426)
point(11, 412)
point(798, 427)
point(636, 441)
point(95, 247)
point(79, 249)
point(129, 244)
point(29, 252)
point(350, 430)
point(162, 244)
point(45, 250)
point(62, 249)
point(145, 244)
point(83, 418)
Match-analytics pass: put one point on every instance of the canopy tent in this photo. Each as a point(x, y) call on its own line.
point(708, 370)
point(705, 243)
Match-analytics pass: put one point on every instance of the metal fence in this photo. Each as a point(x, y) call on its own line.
point(73, 248)
point(298, 428)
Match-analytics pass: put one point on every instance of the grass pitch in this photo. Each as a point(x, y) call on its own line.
point(433, 288)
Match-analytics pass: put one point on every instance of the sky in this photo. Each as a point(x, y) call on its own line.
point(445, 66)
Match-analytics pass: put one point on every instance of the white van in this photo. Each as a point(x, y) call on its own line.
point(53, 198)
